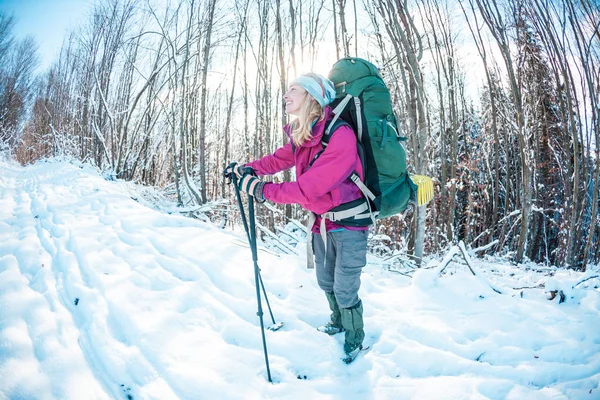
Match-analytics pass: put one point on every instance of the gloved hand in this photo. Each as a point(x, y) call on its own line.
point(238, 170)
point(253, 186)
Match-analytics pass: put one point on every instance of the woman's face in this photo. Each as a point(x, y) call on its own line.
point(294, 98)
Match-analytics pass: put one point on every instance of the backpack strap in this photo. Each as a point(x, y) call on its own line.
point(359, 133)
point(337, 111)
point(357, 212)
point(333, 125)
point(363, 188)
point(353, 213)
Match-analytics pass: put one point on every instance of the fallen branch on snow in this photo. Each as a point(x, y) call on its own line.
point(461, 250)
point(279, 243)
point(540, 286)
point(485, 247)
point(293, 221)
point(586, 279)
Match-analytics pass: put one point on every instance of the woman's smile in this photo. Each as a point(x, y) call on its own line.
point(294, 98)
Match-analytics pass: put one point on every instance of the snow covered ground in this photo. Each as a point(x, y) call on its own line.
point(102, 297)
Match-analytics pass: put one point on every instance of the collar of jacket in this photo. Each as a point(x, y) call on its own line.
point(317, 130)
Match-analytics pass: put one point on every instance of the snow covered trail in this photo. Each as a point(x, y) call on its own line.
point(104, 298)
point(112, 295)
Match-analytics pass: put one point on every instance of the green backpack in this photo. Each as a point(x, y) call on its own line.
point(363, 101)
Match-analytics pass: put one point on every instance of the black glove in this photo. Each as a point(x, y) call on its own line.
point(238, 170)
point(253, 186)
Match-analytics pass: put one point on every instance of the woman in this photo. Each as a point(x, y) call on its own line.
point(319, 188)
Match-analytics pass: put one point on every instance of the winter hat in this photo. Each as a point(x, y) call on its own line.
point(317, 86)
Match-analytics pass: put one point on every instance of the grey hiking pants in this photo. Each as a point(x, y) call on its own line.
point(339, 270)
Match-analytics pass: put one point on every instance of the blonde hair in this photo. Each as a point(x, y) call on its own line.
point(302, 126)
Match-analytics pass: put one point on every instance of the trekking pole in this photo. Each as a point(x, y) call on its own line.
point(257, 279)
point(251, 234)
point(276, 325)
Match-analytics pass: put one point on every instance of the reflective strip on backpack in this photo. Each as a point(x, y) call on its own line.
point(358, 119)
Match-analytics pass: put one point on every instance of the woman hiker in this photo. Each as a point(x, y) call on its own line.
point(319, 188)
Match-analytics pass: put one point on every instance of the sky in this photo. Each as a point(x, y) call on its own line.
point(107, 292)
point(46, 20)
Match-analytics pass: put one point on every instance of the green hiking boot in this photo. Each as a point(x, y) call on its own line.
point(335, 325)
point(352, 322)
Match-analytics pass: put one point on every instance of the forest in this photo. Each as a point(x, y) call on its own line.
point(499, 100)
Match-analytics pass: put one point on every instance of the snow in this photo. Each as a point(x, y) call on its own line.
point(102, 297)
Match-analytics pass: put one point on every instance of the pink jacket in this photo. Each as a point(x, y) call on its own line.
point(324, 185)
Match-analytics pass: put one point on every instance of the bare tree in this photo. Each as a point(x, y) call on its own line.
point(16, 79)
point(476, 31)
point(7, 23)
point(206, 51)
point(341, 6)
point(494, 19)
